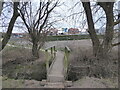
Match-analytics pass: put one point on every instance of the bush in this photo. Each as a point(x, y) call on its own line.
point(19, 64)
point(39, 71)
point(26, 70)
point(83, 63)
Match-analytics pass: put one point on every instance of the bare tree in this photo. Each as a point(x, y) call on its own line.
point(36, 22)
point(11, 25)
point(101, 49)
point(91, 28)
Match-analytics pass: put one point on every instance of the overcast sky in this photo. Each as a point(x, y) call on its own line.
point(63, 14)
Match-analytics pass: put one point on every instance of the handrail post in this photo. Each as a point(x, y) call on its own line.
point(51, 52)
point(47, 61)
point(54, 52)
point(54, 48)
point(66, 62)
point(49, 57)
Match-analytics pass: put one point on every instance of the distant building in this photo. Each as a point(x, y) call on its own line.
point(53, 31)
point(64, 31)
point(17, 35)
point(82, 31)
point(61, 31)
point(73, 31)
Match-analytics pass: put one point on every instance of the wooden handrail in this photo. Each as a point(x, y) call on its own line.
point(67, 48)
point(66, 61)
point(48, 48)
point(50, 56)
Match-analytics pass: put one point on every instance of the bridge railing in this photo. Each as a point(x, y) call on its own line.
point(50, 53)
point(66, 61)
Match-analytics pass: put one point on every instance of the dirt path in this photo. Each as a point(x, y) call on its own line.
point(90, 82)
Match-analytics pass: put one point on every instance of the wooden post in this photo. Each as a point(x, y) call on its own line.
point(66, 61)
point(51, 53)
point(68, 53)
point(54, 48)
point(54, 54)
point(51, 50)
point(47, 61)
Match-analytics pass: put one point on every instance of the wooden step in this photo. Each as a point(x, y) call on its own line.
point(54, 85)
point(55, 78)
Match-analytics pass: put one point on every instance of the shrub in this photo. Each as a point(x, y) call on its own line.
point(19, 64)
point(26, 70)
point(83, 63)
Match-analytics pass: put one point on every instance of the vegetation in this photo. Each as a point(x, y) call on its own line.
point(19, 66)
point(12, 83)
point(83, 63)
point(38, 27)
point(11, 25)
point(69, 37)
point(19, 63)
point(101, 49)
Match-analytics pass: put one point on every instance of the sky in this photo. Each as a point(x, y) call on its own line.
point(63, 15)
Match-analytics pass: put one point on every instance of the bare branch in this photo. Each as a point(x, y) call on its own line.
point(117, 22)
point(115, 44)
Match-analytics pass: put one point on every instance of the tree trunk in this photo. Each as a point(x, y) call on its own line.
point(10, 27)
point(107, 42)
point(1, 6)
point(35, 49)
point(100, 50)
point(91, 28)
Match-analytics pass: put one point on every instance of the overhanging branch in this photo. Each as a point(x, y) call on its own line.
point(116, 44)
point(117, 22)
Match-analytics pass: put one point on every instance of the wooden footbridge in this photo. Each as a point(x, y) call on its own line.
point(56, 65)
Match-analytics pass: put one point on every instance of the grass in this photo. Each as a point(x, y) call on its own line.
point(18, 63)
point(69, 37)
point(11, 42)
point(90, 82)
point(11, 53)
point(98, 68)
point(12, 83)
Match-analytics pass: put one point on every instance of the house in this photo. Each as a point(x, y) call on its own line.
point(53, 31)
point(73, 31)
point(61, 31)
